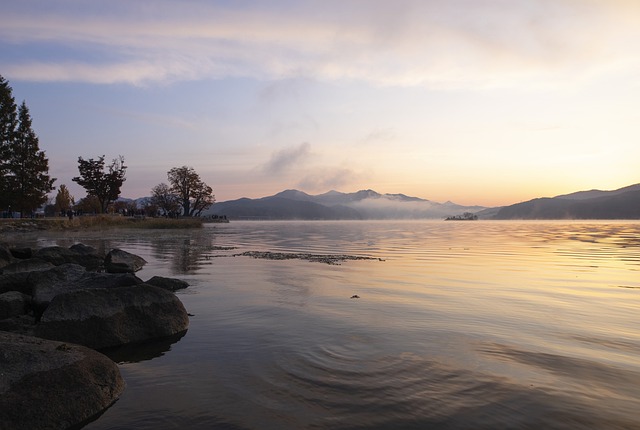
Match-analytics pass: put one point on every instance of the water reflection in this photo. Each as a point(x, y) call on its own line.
point(135, 353)
point(463, 325)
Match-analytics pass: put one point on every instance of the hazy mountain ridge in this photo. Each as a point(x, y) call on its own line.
point(334, 205)
point(623, 203)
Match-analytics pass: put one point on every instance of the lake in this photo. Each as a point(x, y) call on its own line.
point(458, 325)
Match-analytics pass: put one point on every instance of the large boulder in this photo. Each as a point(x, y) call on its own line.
point(13, 304)
point(82, 255)
point(15, 282)
point(170, 284)
point(70, 277)
point(101, 318)
point(52, 385)
point(49, 283)
point(119, 261)
point(28, 265)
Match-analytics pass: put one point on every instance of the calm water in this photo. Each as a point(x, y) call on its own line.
point(462, 325)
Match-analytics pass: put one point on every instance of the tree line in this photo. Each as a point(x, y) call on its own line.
point(25, 182)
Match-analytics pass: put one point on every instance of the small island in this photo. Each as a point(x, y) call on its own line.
point(467, 216)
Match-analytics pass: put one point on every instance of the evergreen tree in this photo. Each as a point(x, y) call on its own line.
point(104, 185)
point(28, 168)
point(8, 125)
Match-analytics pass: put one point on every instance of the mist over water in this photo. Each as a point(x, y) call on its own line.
point(459, 325)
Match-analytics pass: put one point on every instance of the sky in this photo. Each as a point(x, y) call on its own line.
point(480, 102)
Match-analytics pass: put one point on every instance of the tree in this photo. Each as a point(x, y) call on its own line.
point(104, 185)
point(88, 205)
point(164, 199)
point(192, 193)
point(28, 168)
point(64, 201)
point(8, 126)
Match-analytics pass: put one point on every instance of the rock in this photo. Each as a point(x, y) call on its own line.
point(169, 284)
point(101, 318)
point(72, 277)
point(56, 255)
point(28, 265)
point(52, 385)
point(119, 261)
point(82, 255)
point(15, 282)
point(49, 283)
point(21, 253)
point(5, 257)
point(22, 324)
point(87, 256)
point(13, 304)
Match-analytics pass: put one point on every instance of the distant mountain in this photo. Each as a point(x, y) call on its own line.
point(623, 203)
point(334, 205)
point(592, 194)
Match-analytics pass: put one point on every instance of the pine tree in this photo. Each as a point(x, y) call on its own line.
point(28, 179)
point(8, 125)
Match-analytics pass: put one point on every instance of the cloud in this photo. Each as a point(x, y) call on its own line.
point(429, 43)
point(287, 158)
point(328, 178)
point(380, 135)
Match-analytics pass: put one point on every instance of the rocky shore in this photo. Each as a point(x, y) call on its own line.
point(58, 308)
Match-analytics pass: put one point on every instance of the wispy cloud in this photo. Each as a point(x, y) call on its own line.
point(453, 44)
point(287, 158)
point(328, 178)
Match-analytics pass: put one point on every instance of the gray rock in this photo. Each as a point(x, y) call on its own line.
point(49, 283)
point(101, 318)
point(85, 256)
point(21, 253)
point(5, 257)
point(22, 324)
point(71, 277)
point(13, 304)
point(169, 284)
point(15, 282)
point(119, 261)
point(52, 385)
point(28, 265)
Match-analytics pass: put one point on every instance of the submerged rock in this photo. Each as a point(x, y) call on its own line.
point(102, 318)
point(52, 385)
point(169, 284)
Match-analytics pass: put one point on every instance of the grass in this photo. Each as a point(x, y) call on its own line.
point(98, 222)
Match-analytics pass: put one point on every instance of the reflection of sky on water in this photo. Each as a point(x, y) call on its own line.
point(511, 324)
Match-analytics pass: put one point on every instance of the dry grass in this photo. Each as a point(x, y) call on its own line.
point(99, 222)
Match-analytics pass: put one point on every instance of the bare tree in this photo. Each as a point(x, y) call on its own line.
point(193, 195)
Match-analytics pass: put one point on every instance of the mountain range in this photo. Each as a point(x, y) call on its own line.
point(623, 203)
point(334, 205)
